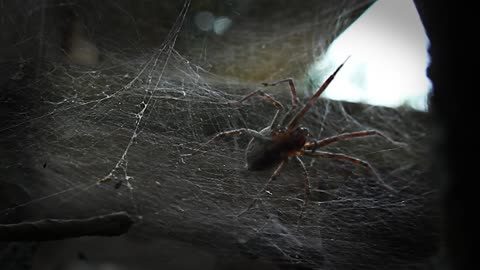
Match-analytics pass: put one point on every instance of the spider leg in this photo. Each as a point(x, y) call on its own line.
point(275, 174)
point(294, 95)
point(307, 187)
point(231, 133)
point(299, 116)
point(274, 120)
point(321, 143)
point(270, 99)
point(286, 116)
point(357, 161)
point(292, 89)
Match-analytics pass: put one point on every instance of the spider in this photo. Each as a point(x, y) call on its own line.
point(284, 140)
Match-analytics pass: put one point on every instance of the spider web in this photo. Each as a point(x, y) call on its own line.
point(97, 140)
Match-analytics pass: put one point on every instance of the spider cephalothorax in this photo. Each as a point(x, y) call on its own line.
point(291, 140)
point(278, 143)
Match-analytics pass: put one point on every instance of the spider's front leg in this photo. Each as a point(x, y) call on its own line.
point(230, 133)
point(295, 122)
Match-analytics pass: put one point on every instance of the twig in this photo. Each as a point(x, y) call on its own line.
point(56, 229)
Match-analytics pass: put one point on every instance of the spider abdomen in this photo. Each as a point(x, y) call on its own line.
point(264, 154)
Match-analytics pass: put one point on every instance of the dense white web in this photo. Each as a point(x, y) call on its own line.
point(113, 138)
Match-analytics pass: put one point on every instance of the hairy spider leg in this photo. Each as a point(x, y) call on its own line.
point(231, 133)
point(270, 99)
point(292, 89)
point(357, 161)
point(345, 136)
point(294, 96)
point(299, 116)
point(307, 187)
point(274, 120)
point(275, 174)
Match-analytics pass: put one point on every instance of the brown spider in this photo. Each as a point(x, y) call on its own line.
point(279, 142)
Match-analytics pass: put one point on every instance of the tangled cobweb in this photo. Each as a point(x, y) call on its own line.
point(112, 137)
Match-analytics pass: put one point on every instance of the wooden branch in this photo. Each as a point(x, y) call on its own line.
point(54, 229)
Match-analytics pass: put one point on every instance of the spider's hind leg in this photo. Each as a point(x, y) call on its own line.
point(230, 133)
point(269, 98)
point(357, 161)
point(307, 188)
point(275, 174)
point(293, 91)
point(345, 136)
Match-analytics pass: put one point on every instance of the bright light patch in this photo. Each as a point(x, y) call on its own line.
point(221, 24)
point(388, 48)
point(204, 20)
